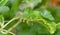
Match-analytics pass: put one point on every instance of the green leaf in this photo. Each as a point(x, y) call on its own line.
point(4, 9)
point(15, 5)
point(36, 29)
point(46, 14)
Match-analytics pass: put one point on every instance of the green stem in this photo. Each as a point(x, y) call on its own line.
point(9, 22)
point(14, 25)
point(3, 2)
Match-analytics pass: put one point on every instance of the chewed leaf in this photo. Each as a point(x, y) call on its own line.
point(46, 14)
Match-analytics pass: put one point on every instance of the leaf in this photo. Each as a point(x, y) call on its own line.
point(4, 9)
point(46, 14)
point(36, 29)
point(15, 4)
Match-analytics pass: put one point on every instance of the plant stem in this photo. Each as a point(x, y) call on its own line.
point(6, 31)
point(14, 25)
point(9, 22)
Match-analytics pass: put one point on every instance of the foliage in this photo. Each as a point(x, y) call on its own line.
point(29, 17)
